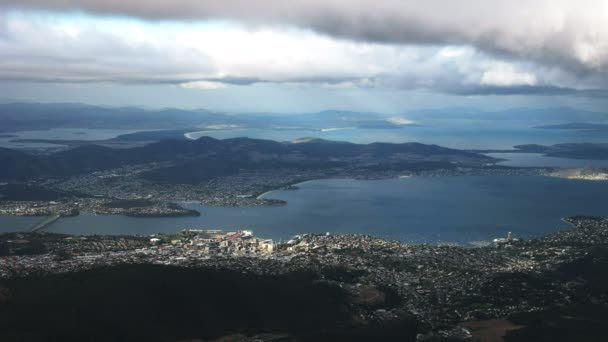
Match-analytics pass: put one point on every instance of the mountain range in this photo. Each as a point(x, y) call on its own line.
point(38, 116)
point(195, 160)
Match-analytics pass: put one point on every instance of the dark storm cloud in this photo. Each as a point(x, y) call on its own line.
point(565, 33)
point(473, 47)
point(525, 90)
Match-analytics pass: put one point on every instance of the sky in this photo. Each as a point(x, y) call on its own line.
point(306, 55)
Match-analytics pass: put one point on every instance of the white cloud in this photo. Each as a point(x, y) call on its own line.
point(400, 121)
point(211, 55)
point(505, 75)
point(203, 85)
point(572, 34)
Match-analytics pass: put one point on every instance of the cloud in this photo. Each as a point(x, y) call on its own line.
point(505, 75)
point(400, 121)
point(203, 85)
point(527, 90)
point(570, 34)
point(217, 54)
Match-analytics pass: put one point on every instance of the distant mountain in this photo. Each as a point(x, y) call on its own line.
point(318, 120)
point(35, 116)
point(195, 160)
point(577, 126)
point(121, 141)
point(572, 151)
point(542, 115)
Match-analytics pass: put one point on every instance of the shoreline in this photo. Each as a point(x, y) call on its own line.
point(569, 220)
point(292, 186)
point(264, 202)
point(473, 243)
point(269, 202)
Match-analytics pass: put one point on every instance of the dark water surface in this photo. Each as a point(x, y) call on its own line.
point(433, 209)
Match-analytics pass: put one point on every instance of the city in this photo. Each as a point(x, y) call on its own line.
point(303, 171)
point(442, 285)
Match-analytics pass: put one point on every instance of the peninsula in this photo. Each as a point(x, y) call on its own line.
point(146, 180)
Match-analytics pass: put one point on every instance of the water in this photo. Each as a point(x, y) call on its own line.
point(60, 134)
point(17, 223)
point(473, 136)
point(540, 160)
point(448, 209)
point(433, 209)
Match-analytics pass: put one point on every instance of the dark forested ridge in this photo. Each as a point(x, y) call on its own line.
point(584, 319)
point(212, 156)
point(156, 303)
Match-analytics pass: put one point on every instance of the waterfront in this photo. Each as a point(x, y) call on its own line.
point(438, 286)
point(418, 209)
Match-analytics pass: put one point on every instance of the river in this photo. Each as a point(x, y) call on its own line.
point(419, 209)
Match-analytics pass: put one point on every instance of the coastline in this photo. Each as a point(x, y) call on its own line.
point(292, 186)
point(262, 199)
point(267, 196)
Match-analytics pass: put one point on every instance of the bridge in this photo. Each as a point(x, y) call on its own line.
point(41, 225)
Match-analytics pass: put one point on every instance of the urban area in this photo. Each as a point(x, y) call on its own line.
point(442, 285)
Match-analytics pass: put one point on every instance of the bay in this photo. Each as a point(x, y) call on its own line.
point(420, 209)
